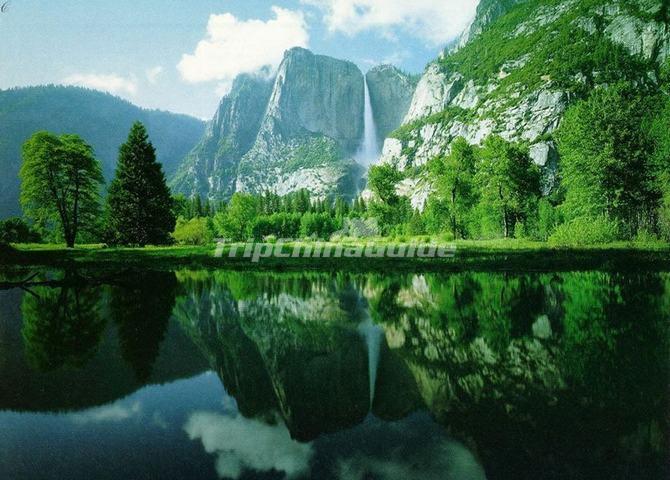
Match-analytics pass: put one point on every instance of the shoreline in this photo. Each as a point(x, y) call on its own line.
point(503, 256)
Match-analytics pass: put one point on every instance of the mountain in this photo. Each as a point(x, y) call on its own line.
point(101, 119)
point(312, 126)
point(212, 165)
point(391, 92)
point(301, 129)
point(516, 70)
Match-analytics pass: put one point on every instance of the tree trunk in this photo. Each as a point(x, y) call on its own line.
point(506, 223)
point(453, 212)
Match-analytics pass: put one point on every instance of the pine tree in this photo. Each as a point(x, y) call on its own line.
point(139, 205)
point(197, 206)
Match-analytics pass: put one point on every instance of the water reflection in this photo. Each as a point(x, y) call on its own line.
point(469, 375)
point(61, 326)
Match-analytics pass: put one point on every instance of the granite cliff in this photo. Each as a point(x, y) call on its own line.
point(300, 129)
point(516, 70)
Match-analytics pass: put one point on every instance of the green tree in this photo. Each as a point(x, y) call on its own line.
point(322, 225)
point(455, 174)
point(181, 206)
point(196, 207)
point(659, 130)
point(236, 221)
point(139, 204)
point(382, 180)
point(605, 166)
point(509, 182)
point(195, 231)
point(60, 183)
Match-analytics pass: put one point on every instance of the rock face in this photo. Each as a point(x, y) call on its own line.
point(487, 12)
point(391, 92)
point(212, 165)
point(297, 130)
point(490, 82)
point(312, 126)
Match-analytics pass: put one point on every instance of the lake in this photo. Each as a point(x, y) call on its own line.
point(218, 374)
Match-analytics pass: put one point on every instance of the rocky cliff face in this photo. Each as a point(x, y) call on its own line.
point(312, 126)
point(212, 165)
point(391, 91)
point(300, 129)
point(488, 11)
point(520, 65)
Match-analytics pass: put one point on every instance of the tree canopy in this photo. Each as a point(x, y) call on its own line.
point(60, 183)
point(139, 203)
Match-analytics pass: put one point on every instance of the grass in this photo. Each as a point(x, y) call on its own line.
point(498, 255)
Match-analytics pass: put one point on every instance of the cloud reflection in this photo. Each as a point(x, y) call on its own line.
point(444, 460)
point(115, 412)
point(244, 444)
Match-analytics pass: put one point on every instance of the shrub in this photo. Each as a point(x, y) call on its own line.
point(196, 231)
point(586, 231)
point(16, 230)
point(282, 225)
point(645, 236)
point(321, 225)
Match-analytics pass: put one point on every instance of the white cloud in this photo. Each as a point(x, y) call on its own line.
point(234, 46)
point(436, 21)
point(153, 74)
point(111, 83)
point(240, 443)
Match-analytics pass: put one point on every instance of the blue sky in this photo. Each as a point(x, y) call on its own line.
point(182, 56)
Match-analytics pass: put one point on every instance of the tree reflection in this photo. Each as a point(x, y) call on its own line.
point(61, 326)
point(141, 308)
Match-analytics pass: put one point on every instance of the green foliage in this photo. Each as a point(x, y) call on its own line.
point(236, 221)
point(391, 217)
point(605, 156)
point(658, 127)
point(508, 182)
point(454, 176)
point(582, 231)
point(60, 182)
point(548, 219)
point(16, 230)
point(139, 204)
point(436, 215)
point(61, 326)
point(319, 225)
point(572, 58)
point(313, 152)
point(382, 180)
point(102, 119)
point(281, 225)
point(196, 231)
point(415, 225)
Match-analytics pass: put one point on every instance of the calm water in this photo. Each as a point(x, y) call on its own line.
point(195, 374)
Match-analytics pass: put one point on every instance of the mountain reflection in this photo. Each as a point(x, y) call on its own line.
point(465, 375)
point(533, 371)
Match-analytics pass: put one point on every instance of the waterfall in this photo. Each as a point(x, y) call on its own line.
point(372, 334)
point(368, 152)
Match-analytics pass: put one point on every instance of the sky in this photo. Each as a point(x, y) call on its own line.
point(182, 56)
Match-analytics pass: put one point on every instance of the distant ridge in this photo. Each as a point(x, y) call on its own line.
point(101, 119)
